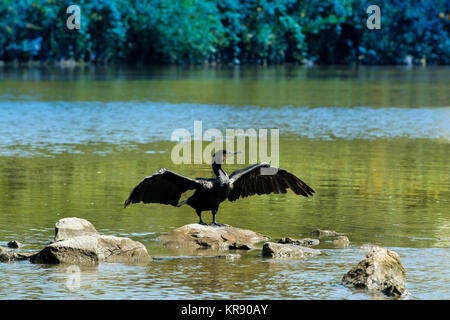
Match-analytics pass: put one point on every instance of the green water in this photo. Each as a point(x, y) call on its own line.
point(372, 142)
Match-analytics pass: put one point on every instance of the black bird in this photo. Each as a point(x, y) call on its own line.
point(166, 186)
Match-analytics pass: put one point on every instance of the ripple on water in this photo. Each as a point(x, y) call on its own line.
point(64, 126)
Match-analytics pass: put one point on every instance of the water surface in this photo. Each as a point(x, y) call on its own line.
point(372, 142)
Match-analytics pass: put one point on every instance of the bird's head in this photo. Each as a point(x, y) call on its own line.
point(220, 155)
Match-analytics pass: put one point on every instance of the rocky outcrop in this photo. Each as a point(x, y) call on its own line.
point(78, 242)
point(213, 237)
point(380, 270)
point(279, 250)
point(300, 242)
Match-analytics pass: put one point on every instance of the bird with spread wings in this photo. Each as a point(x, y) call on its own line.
point(166, 187)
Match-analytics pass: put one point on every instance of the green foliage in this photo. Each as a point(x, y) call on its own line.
point(419, 29)
point(264, 31)
point(239, 31)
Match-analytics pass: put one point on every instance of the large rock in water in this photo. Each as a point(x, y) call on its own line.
point(73, 227)
point(281, 250)
point(380, 270)
point(78, 242)
point(213, 237)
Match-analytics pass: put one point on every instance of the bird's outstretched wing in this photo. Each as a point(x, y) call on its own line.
point(249, 181)
point(164, 187)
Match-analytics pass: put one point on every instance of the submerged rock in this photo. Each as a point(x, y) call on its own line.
point(79, 243)
point(226, 256)
point(325, 233)
point(14, 244)
point(380, 270)
point(279, 250)
point(213, 237)
point(9, 256)
point(341, 241)
point(230, 256)
point(300, 242)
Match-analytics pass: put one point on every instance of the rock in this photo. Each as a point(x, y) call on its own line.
point(73, 227)
point(230, 256)
point(77, 242)
point(9, 256)
point(279, 250)
point(367, 247)
point(380, 270)
point(120, 249)
point(226, 256)
point(78, 250)
point(300, 242)
point(325, 233)
point(213, 237)
point(239, 246)
point(4, 254)
point(14, 244)
point(92, 250)
point(341, 241)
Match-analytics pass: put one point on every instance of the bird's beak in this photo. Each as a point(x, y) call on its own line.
point(229, 153)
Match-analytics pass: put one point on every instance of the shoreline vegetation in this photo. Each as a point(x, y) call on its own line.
point(230, 32)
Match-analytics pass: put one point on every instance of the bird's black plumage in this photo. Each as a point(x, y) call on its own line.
point(166, 186)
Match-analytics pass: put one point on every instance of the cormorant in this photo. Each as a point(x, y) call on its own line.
point(166, 186)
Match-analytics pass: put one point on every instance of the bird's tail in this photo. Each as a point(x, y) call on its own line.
point(181, 203)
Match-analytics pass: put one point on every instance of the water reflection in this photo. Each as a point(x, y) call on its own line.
point(250, 277)
point(254, 85)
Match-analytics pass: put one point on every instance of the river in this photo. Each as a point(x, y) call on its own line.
point(373, 142)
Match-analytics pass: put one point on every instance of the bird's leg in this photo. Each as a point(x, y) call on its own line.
point(199, 213)
point(215, 223)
